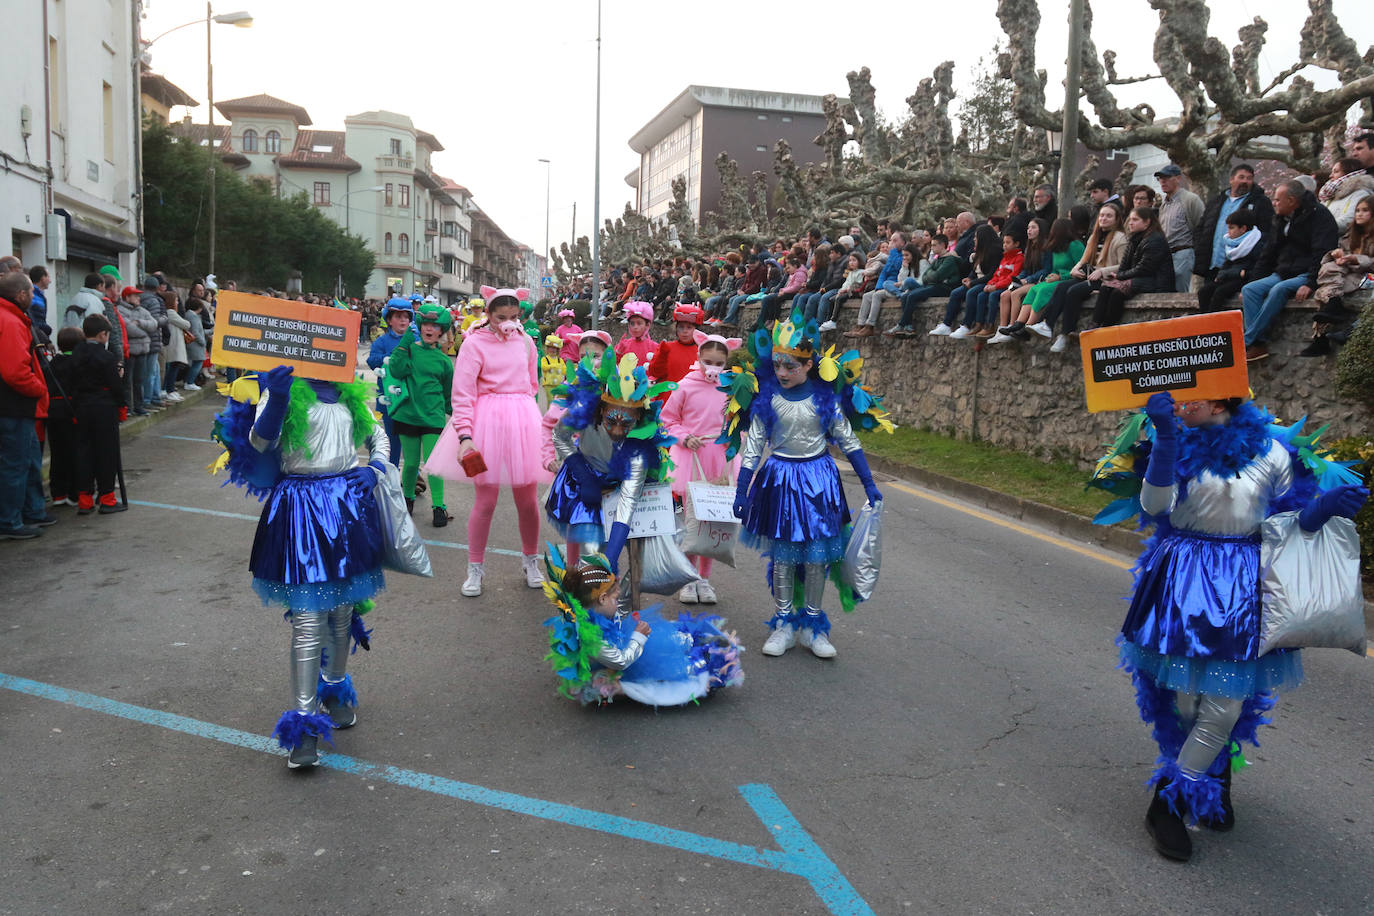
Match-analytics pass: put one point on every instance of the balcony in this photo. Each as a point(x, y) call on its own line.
point(450, 283)
point(448, 245)
point(395, 163)
point(431, 227)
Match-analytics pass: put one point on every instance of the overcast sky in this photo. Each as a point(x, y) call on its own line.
point(503, 85)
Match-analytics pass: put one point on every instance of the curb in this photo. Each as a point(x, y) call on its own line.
point(1060, 521)
point(137, 425)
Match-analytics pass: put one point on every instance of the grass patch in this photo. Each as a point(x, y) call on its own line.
point(1052, 483)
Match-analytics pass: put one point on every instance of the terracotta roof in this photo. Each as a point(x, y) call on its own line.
point(311, 153)
point(263, 103)
point(428, 139)
point(157, 86)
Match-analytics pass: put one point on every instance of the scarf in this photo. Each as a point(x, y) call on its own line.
point(1239, 248)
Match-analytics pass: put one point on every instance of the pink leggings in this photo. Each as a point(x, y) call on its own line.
point(484, 507)
point(703, 564)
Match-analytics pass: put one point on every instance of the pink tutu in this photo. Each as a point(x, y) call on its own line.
point(506, 430)
point(713, 465)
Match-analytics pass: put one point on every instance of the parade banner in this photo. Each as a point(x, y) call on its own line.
point(260, 333)
point(1198, 357)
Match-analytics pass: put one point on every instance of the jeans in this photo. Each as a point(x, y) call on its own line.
point(152, 381)
point(800, 301)
point(1214, 294)
point(956, 302)
point(986, 310)
point(1262, 301)
point(733, 310)
point(712, 304)
point(174, 373)
point(913, 297)
point(1074, 294)
point(21, 472)
point(1183, 270)
point(825, 305)
point(136, 379)
point(872, 305)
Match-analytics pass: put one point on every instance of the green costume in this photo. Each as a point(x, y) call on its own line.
point(1061, 262)
point(427, 373)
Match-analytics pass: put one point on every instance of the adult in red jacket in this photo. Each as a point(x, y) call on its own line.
point(675, 358)
point(23, 401)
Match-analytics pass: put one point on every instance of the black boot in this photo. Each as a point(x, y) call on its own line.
point(1167, 830)
point(1227, 819)
point(440, 516)
point(1319, 346)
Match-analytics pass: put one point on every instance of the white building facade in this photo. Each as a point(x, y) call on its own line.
point(67, 140)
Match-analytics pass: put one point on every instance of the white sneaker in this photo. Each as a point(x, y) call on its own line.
point(941, 330)
point(960, 332)
point(173, 396)
point(688, 594)
point(472, 586)
point(189, 386)
point(828, 325)
point(1060, 343)
point(818, 643)
point(999, 337)
point(780, 640)
point(705, 593)
point(1041, 328)
point(533, 577)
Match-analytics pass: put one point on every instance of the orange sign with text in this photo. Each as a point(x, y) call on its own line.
point(1198, 357)
point(261, 333)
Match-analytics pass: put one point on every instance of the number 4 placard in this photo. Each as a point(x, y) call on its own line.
point(653, 513)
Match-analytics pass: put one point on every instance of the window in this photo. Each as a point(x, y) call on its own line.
point(55, 84)
point(321, 193)
point(405, 195)
point(387, 196)
point(386, 244)
point(404, 247)
point(760, 149)
point(272, 142)
point(395, 147)
point(107, 111)
point(250, 141)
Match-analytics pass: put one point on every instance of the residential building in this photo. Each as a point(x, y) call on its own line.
point(159, 95)
point(495, 257)
point(68, 184)
point(455, 242)
point(533, 266)
point(685, 137)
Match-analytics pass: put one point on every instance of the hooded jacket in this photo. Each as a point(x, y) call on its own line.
point(23, 390)
point(1299, 241)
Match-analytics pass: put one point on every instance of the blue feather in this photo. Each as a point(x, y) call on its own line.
point(294, 727)
point(1118, 511)
point(340, 694)
point(362, 636)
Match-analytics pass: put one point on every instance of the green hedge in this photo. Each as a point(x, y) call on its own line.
point(1360, 449)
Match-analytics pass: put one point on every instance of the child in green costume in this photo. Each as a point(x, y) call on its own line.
point(426, 372)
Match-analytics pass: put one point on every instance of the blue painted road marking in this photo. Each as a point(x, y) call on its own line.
point(799, 855)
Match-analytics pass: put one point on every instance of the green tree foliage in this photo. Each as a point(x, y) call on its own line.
point(261, 238)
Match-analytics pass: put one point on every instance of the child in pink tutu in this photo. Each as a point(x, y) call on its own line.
point(567, 330)
point(693, 416)
point(495, 383)
point(638, 341)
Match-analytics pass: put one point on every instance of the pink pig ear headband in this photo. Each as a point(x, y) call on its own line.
point(493, 295)
point(591, 335)
point(729, 343)
point(643, 310)
point(567, 313)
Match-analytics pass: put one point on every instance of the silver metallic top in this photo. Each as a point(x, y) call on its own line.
point(797, 432)
point(1232, 505)
point(329, 445)
point(598, 448)
point(620, 659)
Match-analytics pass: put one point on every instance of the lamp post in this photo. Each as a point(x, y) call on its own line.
point(1054, 139)
point(596, 194)
point(1072, 87)
point(548, 170)
point(241, 19)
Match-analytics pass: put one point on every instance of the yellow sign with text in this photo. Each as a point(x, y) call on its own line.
point(260, 333)
point(1198, 357)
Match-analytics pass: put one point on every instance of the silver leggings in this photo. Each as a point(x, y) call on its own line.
point(784, 582)
point(1213, 718)
point(308, 634)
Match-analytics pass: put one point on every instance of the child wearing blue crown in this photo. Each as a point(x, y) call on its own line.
point(792, 505)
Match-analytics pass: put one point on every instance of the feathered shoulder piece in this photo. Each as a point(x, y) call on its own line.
point(255, 471)
point(574, 636)
point(622, 384)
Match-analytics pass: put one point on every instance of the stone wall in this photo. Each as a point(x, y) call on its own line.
point(1021, 396)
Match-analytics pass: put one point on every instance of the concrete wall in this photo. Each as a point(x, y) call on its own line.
point(1021, 396)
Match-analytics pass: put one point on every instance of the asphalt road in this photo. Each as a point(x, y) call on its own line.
point(971, 750)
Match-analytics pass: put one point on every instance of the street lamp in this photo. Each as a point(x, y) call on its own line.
point(1055, 139)
point(241, 19)
point(548, 170)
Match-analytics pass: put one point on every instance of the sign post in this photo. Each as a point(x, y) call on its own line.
point(258, 333)
point(1197, 357)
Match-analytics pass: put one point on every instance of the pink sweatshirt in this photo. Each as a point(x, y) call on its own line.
point(490, 364)
point(696, 408)
point(794, 283)
point(570, 350)
point(643, 348)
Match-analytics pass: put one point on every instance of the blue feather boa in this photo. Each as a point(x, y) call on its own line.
point(255, 471)
point(1225, 449)
point(294, 727)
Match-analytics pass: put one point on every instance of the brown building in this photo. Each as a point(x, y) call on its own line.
point(495, 257)
point(684, 139)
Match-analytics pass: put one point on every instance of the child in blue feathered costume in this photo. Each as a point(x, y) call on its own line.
point(1191, 640)
point(599, 653)
point(610, 444)
point(319, 544)
point(795, 512)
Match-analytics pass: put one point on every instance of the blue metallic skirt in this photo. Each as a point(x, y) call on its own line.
point(797, 510)
point(1194, 622)
point(318, 544)
point(573, 520)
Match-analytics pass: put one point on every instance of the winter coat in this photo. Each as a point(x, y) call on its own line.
point(834, 275)
point(1147, 263)
point(1340, 280)
point(140, 327)
point(754, 277)
point(1205, 234)
point(195, 349)
point(1349, 192)
point(95, 374)
point(176, 349)
point(1299, 241)
point(38, 312)
point(945, 274)
point(86, 302)
point(152, 303)
point(1010, 265)
point(23, 390)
